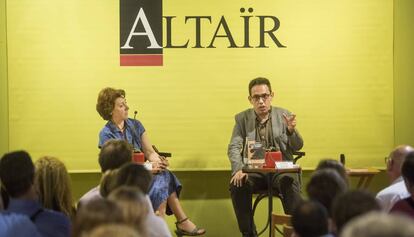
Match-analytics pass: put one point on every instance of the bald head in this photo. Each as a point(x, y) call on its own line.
point(396, 159)
point(400, 152)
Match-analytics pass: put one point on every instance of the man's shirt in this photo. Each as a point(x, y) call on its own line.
point(49, 223)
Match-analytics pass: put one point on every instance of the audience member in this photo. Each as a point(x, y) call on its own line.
point(333, 164)
point(113, 154)
point(310, 219)
point(137, 176)
point(112, 230)
point(133, 204)
point(378, 224)
point(324, 186)
point(95, 213)
point(350, 205)
point(406, 206)
point(53, 185)
point(397, 190)
point(17, 175)
point(108, 182)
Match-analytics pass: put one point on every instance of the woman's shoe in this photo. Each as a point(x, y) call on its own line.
point(195, 232)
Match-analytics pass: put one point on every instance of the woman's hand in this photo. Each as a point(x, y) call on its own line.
point(158, 166)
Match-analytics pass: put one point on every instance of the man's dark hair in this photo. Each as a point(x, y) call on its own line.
point(407, 169)
point(352, 204)
point(325, 185)
point(259, 81)
point(134, 175)
point(17, 173)
point(114, 153)
point(310, 219)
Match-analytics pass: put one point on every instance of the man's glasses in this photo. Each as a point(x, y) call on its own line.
point(387, 159)
point(256, 98)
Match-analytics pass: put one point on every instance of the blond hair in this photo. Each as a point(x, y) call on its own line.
point(53, 184)
point(134, 207)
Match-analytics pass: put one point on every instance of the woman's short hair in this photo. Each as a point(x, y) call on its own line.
point(53, 185)
point(106, 101)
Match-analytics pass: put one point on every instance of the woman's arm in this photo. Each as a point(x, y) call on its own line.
point(148, 150)
point(158, 163)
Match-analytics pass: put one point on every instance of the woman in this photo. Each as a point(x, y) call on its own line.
point(53, 184)
point(165, 189)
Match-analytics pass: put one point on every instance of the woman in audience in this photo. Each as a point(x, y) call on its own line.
point(133, 205)
point(53, 185)
point(165, 189)
point(96, 213)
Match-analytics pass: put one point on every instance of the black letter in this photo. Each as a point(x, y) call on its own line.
point(227, 35)
point(198, 28)
point(169, 38)
point(270, 32)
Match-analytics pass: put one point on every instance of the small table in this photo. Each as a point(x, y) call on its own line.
point(270, 174)
point(365, 176)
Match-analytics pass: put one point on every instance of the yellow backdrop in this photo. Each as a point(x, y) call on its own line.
point(335, 74)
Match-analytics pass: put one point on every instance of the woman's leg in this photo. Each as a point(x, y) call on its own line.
point(179, 214)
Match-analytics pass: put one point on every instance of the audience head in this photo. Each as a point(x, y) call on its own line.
point(379, 224)
point(310, 219)
point(108, 182)
point(17, 173)
point(114, 153)
point(133, 203)
point(95, 213)
point(333, 164)
point(112, 230)
point(106, 101)
point(408, 172)
point(134, 175)
point(53, 185)
point(396, 159)
point(350, 205)
point(324, 186)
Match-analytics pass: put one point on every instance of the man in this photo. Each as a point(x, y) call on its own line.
point(273, 127)
point(406, 206)
point(397, 190)
point(17, 175)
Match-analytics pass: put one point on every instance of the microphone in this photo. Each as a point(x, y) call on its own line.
point(135, 114)
point(342, 159)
